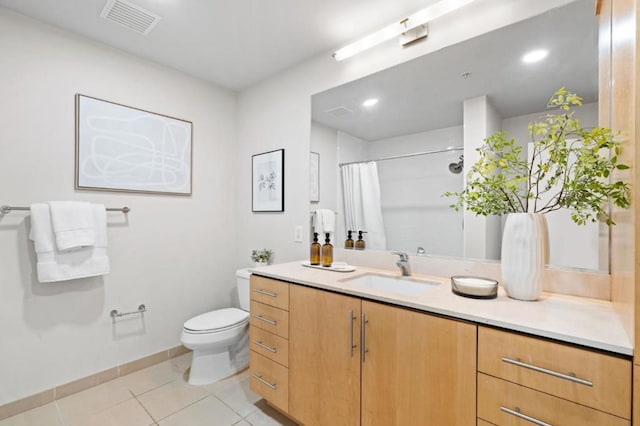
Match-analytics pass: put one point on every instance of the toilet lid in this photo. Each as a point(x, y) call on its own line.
point(216, 320)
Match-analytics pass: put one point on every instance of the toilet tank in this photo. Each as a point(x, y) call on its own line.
point(242, 281)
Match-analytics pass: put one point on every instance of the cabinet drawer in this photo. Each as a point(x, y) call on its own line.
point(269, 318)
point(483, 423)
point(587, 377)
point(270, 292)
point(504, 403)
point(270, 380)
point(268, 344)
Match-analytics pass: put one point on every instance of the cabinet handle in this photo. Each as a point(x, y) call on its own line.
point(267, 320)
point(518, 414)
point(569, 377)
point(352, 318)
point(266, 293)
point(262, 345)
point(363, 349)
point(258, 377)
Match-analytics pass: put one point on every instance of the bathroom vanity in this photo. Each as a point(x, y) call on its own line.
point(324, 353)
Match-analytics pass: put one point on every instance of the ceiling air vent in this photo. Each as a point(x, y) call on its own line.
point(338, 111)
point(130, 16)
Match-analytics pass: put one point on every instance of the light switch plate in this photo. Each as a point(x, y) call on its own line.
point(297, 236)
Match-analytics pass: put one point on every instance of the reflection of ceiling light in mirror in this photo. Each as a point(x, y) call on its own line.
point(421, 17)
point(534, 56)
point(370, 102)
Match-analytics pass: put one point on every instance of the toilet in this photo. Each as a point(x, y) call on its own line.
point(219, 339)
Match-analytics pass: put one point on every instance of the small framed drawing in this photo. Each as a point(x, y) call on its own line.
point(121, 148)
point(268, 181)
point(314, 177)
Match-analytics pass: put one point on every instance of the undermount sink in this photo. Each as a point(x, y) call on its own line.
point(405, 286)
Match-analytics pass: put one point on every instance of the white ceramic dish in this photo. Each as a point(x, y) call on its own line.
point(474, 287)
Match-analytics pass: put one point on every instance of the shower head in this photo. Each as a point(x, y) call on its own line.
point(456, 168)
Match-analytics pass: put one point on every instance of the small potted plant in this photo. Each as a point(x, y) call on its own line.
point(569, 167)
point(261, 257)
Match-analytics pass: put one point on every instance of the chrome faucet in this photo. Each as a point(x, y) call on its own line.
point(403, 263)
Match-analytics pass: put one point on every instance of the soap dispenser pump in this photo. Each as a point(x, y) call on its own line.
point(348, 244)
point(327, 252)
point(360, 243)
point(314, 258)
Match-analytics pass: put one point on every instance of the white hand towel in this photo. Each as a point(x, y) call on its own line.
point(324, 221)
point(55, 265)
point(72, 223)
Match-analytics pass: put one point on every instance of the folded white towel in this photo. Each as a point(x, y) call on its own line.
point(324, 221)
point(55, 265)
point(72, 223)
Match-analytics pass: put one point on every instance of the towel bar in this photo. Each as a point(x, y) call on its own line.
point(115, 314)
point(4, 209)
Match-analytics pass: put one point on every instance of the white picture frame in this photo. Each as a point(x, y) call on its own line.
point(267, 181)
point(126, 149)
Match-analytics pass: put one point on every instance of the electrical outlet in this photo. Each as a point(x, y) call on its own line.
point(297, 236)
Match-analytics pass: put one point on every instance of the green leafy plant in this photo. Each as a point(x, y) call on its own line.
point(570, 167)
point(261, 255)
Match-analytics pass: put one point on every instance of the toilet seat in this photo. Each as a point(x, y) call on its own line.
point(216, 321)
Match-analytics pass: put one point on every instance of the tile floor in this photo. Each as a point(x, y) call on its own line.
point(157, 395)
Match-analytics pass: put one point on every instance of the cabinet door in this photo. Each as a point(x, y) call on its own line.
point(324, 368)
point(418, 369)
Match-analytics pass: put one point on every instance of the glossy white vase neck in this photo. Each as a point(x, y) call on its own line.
point(524, 255)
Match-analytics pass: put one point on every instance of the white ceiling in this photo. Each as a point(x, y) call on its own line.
point(233, 43)
point(427, 93)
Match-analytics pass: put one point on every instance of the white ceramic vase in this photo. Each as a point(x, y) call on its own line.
point(524, 255)
point(259, 264)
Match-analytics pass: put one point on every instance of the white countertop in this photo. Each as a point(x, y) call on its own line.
point(588, 322)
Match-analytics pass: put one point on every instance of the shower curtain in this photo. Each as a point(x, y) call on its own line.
point(363, 211)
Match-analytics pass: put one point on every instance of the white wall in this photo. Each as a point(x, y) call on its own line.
point(415, 212)
point(493, 243)
point(175, 254)
point(276, 113)
point(482, 234)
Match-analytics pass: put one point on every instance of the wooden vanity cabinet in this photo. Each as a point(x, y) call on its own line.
point(324, 367)
point(268, 340)
point(325, 358)
point(554, 383)
point(416, 368)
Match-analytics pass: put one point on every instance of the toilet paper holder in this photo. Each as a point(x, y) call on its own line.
point(115, 314)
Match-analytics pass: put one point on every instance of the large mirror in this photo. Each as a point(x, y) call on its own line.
point(392, 143)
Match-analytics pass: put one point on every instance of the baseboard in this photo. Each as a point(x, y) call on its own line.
point(25, 404)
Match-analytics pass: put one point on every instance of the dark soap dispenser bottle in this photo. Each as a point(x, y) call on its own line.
point(360, 243)
point(327, 252)
point(314, 258)
point(348, 244)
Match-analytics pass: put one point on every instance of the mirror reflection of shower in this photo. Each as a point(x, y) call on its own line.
point(456, 168)
point(405, 177)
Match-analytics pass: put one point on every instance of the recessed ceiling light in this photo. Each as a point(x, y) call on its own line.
point(534, 56)
point(370, 102)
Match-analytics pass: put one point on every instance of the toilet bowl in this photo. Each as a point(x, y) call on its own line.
point(219, 339)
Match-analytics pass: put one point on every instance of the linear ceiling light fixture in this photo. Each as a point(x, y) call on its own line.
point(412, 23)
